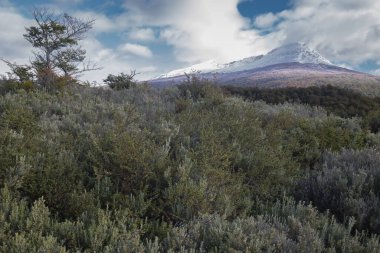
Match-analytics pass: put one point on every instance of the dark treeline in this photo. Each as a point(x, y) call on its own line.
point(341, 102)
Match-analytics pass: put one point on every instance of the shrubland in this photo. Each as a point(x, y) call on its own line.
point(191, 168)
point(346, 103)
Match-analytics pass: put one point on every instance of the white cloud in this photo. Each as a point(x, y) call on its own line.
point(143, 34)
point(376, 72)
point(266, 20)
point(13, 46)
point(110, 61)
point(136, 49)
point(147, 70)
point(199, 30)
point(102, 23)
point(345, 31)
point(115, 61)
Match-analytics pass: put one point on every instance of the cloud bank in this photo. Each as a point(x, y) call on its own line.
point(199, 30)
point(153, 36)
point(345, 31)
point(12, 45)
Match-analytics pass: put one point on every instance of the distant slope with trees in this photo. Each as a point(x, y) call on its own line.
point(342, 102)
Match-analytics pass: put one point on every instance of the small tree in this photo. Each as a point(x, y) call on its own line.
point(121, 81)
point(56, 39)
point(21, 73)
point(20, 77)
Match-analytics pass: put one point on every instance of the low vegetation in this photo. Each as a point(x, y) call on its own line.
point(185, 169)
point(341, 102)
point(193, 168)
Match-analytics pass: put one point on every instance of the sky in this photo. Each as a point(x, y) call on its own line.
point(156, 36)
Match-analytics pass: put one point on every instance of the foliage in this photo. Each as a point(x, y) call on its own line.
point(186, 169)
point(372, 119)
point(56, 38)
point(347, 184)
point(57, 55)
point(342, 102)
point(285, 227)
point(21, 77)
point(121, 81)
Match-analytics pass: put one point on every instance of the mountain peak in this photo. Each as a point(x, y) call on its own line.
point(298, 52)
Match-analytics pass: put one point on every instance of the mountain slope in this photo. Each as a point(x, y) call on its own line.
point(295, 52)
point(203, 67)
point(293, 65)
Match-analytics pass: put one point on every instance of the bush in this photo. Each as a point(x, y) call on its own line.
point(186, 168)
point(285, 227)
point(282, 227)
point(342, 102)
point(121, 81)
point(347, 184)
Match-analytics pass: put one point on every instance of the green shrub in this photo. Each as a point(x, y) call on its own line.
point(183, 169)
point(347, 184)
point(121, 81)
point(285, 227)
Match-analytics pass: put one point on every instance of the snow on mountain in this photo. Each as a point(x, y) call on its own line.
point(292, 65)
point(204, 67)
point(296, 52)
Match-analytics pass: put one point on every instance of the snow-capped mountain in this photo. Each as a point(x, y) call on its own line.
point(204, 67)
point(295, 52)
point(292, 65)
point(291, 53)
